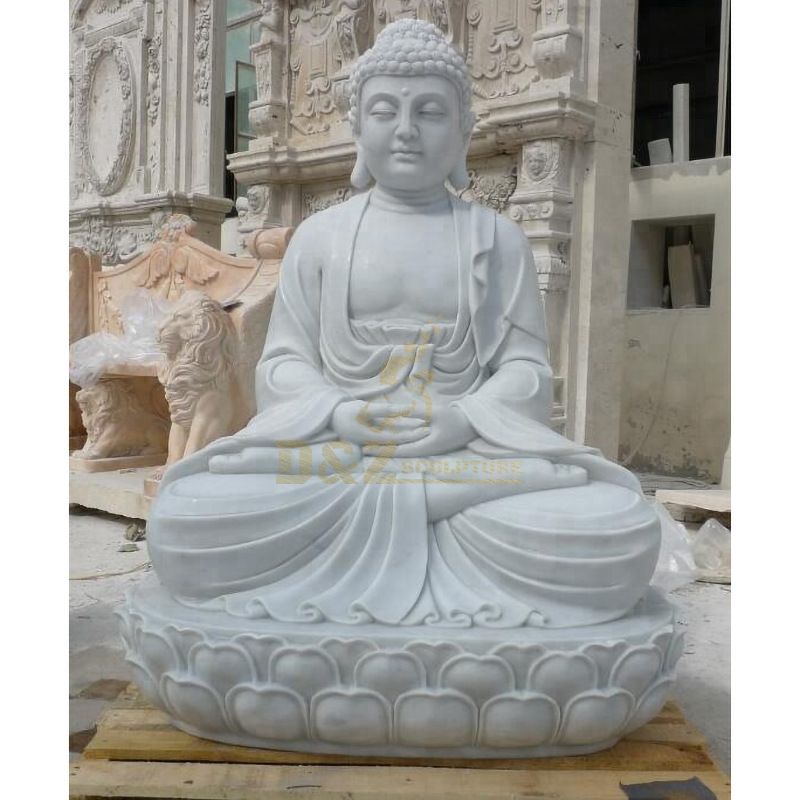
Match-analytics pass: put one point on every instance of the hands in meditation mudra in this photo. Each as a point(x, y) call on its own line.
point(400, 472)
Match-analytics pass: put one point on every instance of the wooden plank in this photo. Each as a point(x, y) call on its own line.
point(120, 729)
point(252, 782)
point(167, 744)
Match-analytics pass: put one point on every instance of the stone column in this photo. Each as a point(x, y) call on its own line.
point(601, 245)
point(542, 205)
point(268, 111)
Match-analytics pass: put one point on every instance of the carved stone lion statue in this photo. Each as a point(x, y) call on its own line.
point(199, 375)
point(116, 422)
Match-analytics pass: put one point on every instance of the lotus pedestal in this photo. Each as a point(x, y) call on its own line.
point(401, 691)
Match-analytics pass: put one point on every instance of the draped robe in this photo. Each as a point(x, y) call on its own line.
point(352, 549)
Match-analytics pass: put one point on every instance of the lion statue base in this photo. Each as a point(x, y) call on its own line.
point(116, 422)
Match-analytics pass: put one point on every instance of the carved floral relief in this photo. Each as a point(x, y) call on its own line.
point(116, 244)
point(153, 78)
point(319, 201)
point(491, 187)
point(202, 60)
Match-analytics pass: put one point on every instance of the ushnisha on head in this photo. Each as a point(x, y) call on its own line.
point(414, 86)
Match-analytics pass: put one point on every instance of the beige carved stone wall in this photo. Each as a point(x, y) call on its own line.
point(146, 121)
point(553, 87)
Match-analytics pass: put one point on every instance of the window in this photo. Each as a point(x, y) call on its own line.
point(242, 30)
point(683, 41)
point(670, 263)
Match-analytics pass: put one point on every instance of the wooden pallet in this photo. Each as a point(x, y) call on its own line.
point(136, 754)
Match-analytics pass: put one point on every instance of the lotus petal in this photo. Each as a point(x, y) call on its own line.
point(562, 676)
point(183, 640)
point(675, 651)
point(435, 719)
point(662, 640)
point(596, 716)
point(637, 669)
point(134, 622)
point(520, 658)
point(353, 717)
point(390, 673)
point(156, 653)
point(651, 702)
point(260, 648)
point(125, 628)
point(194, 703)
point(604, 656)
point(433, 656)
point(518, 721)
point(478, 677)
point(221, 666)
point(305, 670)
point(268, 712)
point(346, 653)
point(144, 680)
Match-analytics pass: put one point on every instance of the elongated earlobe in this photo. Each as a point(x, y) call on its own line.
point(459, 178)
point(360, 177)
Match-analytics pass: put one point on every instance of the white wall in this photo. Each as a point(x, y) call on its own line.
point(675, 396)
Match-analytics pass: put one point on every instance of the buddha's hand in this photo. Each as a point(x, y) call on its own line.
point(450, 430)
point(319, 459)
point(377, 424)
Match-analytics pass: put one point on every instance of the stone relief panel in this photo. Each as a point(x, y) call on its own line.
point(499, 46)
point(492, 182)
point(325, 37)
point(447, 15)
point(106, 116)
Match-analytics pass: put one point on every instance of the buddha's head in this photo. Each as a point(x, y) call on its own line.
point(410, 110)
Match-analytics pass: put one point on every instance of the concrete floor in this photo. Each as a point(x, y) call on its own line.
point(100, 575)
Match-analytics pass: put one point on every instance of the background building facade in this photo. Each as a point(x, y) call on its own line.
point(190, 105)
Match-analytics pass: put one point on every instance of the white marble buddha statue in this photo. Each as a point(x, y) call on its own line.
point(400, 478)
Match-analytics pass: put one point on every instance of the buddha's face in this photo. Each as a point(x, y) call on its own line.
point(410, 130)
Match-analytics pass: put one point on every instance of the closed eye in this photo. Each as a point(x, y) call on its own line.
point(384, 110)
point(432, 110)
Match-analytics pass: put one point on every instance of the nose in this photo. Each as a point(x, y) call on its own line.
point(406, 129)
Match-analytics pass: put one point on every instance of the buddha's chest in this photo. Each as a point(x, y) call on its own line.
point(405, 270)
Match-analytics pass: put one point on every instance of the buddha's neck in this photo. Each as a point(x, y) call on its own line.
point(413, 201)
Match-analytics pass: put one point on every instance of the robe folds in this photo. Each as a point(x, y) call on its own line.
point(356, 545)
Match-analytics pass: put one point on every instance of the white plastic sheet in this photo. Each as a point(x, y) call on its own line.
point(142, 313)
point(712, 547)
point(675, 567)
